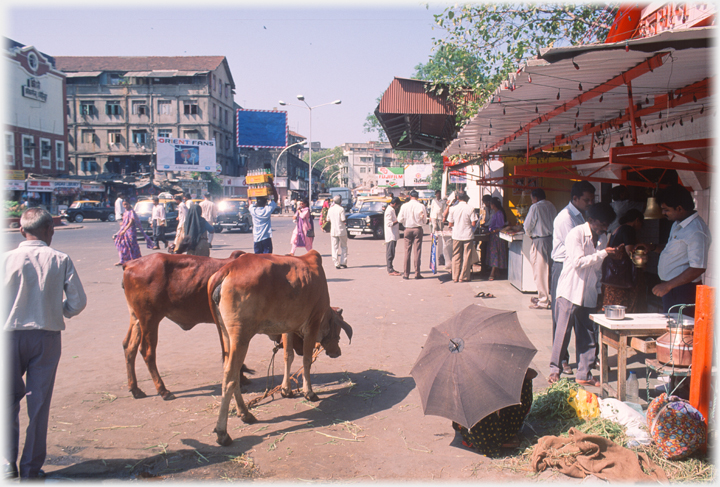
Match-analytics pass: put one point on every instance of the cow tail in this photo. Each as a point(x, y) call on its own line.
point(214, 290)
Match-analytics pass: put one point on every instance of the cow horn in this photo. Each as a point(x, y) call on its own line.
point(347, 328)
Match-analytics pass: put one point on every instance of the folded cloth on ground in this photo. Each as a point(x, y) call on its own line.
point(635, 422)
point(581, 455)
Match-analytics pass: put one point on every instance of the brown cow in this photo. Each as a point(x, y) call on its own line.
point(273, 295)
point(161, 286)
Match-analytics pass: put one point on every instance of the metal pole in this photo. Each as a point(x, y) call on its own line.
point(310, 163)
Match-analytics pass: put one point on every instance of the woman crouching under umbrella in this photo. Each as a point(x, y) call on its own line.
point(500, 429)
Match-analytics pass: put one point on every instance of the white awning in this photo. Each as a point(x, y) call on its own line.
point(83, 74)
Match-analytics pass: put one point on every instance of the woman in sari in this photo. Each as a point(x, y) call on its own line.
point(126, 239)
point(324, 222)
point(196, 229)
point(497, 246)
point(303, 222)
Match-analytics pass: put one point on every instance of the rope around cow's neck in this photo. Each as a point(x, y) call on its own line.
point(271, 373)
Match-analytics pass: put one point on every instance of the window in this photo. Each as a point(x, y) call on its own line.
point(88, 164)
point(87, 108)
point(227, 116)
point(214, 111)
point(164, 107)
point(45, 153)
point(190, 108)
point(114, 137)
point(139, 108)
point(227, 143)
point(67, 107)
point(60, 154)
point(116, 79)
point(165, 133)
point(227, 90)
point(191, 134)
point(9, 148)
point(139, 136)
point(87, 136)
point(112, 108)
point(28, 142)
point(362, 169)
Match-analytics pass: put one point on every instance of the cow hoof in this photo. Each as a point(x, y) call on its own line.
point(223, 439)
point(287, 393)
point(311, 396)
point(137, 393)
point(167, 396)
point(248, 418)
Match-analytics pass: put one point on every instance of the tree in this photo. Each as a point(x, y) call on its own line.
point(335, 158)
point(499, 36)
point(372, 124)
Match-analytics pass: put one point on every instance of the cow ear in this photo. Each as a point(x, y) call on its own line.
point(339, 311)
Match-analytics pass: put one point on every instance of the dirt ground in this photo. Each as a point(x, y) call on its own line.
point(367, 426)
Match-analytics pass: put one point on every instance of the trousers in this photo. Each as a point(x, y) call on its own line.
point(461, 260)
point(339, 250)
point(413, 246)
point(540, 261)
point(557, 268)
point(34, 354)
point(684, 294)
point(390, 254)
point(570, 315)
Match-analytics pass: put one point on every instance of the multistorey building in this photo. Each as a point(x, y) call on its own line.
point(361, 161)
point(117, 107)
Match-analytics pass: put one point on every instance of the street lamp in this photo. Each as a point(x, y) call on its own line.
point(310, 109)
point(277, 161)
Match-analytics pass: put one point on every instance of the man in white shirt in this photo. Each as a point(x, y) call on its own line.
point(288, 204)
point(119, 210)
point(462, 220)
point(209, 213)
point(35, 277)
point(578, 289)
point(392, 233)
point(538, 226)
point(338, 233)
point(437, 217)
point(182, 214)
point(158, 223)
point(685, 256)
point(413, 216)
point(582, 195)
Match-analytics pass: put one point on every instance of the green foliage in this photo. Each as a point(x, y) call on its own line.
point(484, 42)
point(331, 164)
point(372, 124)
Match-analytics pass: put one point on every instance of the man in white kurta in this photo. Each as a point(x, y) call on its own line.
point(462, 220)
point(338, 233)
point(538, 226)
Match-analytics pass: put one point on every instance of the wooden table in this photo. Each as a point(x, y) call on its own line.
point(620, 334)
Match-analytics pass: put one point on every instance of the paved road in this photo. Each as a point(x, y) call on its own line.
point(368, 425)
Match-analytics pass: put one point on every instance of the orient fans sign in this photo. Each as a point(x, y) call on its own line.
point(390, 177)
point(418, 174)
point(186, 155)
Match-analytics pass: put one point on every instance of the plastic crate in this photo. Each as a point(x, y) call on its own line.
point(258, 179)
point(254, 192)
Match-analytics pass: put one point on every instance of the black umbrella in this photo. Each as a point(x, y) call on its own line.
point(473, 364)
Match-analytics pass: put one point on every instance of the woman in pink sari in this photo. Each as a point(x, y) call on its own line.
point(304, 223)
point(126, 239)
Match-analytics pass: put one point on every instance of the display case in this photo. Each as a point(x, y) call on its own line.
point(520, 273)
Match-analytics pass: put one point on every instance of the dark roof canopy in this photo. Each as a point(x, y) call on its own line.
point(414, 119)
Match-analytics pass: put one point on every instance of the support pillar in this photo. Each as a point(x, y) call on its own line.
point(701, 378)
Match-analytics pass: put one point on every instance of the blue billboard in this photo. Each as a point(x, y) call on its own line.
point(262, 129)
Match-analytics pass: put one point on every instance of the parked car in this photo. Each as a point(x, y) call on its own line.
point(369, 219)
point(143, 209)
point(233, 214)
point(316, 208)
point(84, 209)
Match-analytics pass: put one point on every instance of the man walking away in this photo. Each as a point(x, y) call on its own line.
point(413, 216)
point(159, 223)
point(437, 214)
point(392, 233)
point(36, 276)
point(539, 227)
point(182, 214)
point(685, 256)
point(582, 195)
point(209, 213)
point(462, 220)
point(577, 292)
point(261, 212)
point(119, 210)
point(338, 233)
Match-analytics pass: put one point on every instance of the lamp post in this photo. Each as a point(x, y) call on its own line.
point(277, 161)
point(313, 166)
point(310, 109)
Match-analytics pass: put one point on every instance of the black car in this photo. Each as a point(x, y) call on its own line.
point(233, 214)
point(316, 208)
point(368, 220)
point(85, 209)
point(143, 209)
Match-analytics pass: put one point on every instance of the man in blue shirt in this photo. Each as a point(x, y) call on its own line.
point(685, 256)
point(261, 211)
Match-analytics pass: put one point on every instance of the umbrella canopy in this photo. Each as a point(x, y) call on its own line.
point(473, 364)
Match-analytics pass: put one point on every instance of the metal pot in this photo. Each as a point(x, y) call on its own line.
point(640, 258)
point(615, 312)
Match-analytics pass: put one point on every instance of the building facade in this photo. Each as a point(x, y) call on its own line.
point(117, 107)
point(35, 139)
point(362, 160)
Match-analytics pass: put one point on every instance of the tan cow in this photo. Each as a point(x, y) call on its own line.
point(272, 295)
point(161, 286)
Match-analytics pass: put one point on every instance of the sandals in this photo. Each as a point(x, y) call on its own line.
point(482, 294)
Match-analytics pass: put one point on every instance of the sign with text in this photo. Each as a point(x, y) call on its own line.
point(186, 155)
point(391, 177)
point(418, 174)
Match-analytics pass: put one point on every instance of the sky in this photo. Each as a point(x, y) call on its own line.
point(276, 51)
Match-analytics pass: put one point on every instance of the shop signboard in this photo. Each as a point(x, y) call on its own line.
point(93, 188)
point(418, 174)
point(16, 174)
point(14, 185)
point(391, 177)
point(228, 181)
point(39, 186)
point(281, 182)
point(457, 177)
point(186, 155)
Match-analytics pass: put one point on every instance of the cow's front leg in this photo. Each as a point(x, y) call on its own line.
point(149, 349)
point(231, 378)
point(131, 343)
point(308, 349)
point(289, 356)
